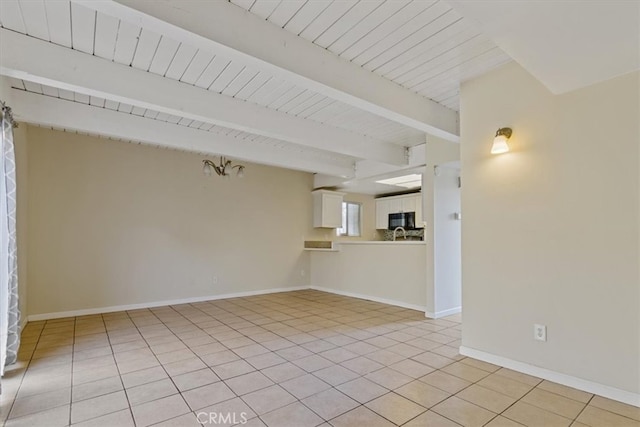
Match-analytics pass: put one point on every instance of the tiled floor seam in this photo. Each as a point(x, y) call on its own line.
point(124, 389)
point(264, 314)
point(160, 363)
point(13, 401)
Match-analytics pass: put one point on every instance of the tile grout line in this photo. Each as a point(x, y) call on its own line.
point(586, 405)
point(124, 389)
point(250, 317)
point(13, 402)
point(161, 365)
point(73, 347)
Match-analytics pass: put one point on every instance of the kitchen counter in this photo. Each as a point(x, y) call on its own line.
point(383, 242)
point(390, 272)
point(335, 247)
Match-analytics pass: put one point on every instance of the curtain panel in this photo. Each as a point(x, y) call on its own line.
point(9, 312)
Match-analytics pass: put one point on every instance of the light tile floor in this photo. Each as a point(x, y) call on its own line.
point(296, 359)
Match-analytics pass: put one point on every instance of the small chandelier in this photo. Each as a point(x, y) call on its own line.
point(224, 168)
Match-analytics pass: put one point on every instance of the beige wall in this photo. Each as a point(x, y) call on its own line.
point(384, 271)
point(550, 230)
point(368, 224)
point(113, 223)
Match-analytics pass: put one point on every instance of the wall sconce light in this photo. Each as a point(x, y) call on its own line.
point(225, 168)
point(500, 141)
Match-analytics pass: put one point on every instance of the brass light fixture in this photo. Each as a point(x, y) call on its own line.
point(500, 141)
point(224, 168)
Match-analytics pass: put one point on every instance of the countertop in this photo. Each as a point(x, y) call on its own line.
point(337, 244)
point(383, 242)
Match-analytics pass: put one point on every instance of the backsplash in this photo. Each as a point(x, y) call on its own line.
point(411, 234)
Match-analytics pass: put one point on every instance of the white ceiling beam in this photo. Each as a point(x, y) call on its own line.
point(367, 169)
point(46, 63)
point(226, 29)
point(48, 111)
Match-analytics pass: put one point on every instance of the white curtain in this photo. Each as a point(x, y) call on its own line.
point(9, 312)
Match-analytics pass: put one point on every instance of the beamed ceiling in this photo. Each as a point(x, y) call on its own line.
point(318, 85)
point(313, 85)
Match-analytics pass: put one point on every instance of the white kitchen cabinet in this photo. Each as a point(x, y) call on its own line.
point(382, 214)
point(408, 204)
point(327, 209)
point(419, 220)
point(395, 204)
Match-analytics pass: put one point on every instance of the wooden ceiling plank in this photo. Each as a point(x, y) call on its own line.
point(146, 49)
point(59, 21)
point(35, 18)
point(214, 26)
point(83, 25)
point(126, 43)
point(11, 16)
point(106, 36)
point(166, 51)
point(181, 61)
point(285, 11)
point(305, 15)
point(25, 56)
point(327, 18)
point(349, 20)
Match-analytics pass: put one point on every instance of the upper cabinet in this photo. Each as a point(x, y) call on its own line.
point(396, 204)
point(327, 209)
point(382, 213)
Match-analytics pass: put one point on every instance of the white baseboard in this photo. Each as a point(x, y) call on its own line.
point(111, 309)
point(370, 298)
point(557, 377)
point(443, 313)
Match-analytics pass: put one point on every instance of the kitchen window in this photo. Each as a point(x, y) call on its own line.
point(351, 219)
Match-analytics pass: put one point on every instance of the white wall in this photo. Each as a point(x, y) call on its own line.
point(550, 229)
point(383, 272)
point(440, 199)
point(447, 251)
point(113, 223)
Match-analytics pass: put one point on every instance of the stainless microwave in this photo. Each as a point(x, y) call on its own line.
point(406, 220)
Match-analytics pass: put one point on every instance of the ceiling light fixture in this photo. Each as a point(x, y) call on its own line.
point(225, 168)
point(406, 181)
point(500, 141)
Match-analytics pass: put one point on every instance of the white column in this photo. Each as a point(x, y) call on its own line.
point(441, 200)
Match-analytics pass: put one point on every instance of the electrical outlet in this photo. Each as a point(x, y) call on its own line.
point(215, 280)
point(539, 332)
point(302, 272)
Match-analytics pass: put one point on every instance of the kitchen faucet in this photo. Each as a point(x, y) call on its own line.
point(403, 232)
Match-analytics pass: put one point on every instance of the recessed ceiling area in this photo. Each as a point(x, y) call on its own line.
point(404, 181)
